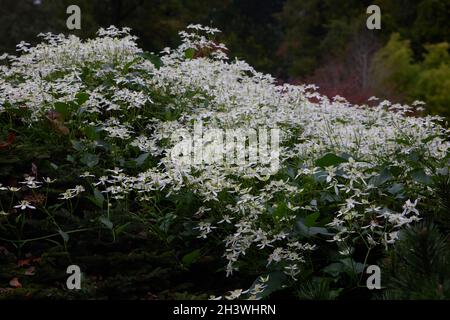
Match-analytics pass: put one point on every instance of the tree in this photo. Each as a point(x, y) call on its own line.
point(392, 68)
point(429, 80)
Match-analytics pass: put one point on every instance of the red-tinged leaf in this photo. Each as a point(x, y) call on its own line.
point(9, 140)
point(4, 251)
point(59, 127)
point(24, 262)
point(30, 271)
point(56, 121)
point(15, 283)
point(55, 115)
point(28, 261)
point(34, 169)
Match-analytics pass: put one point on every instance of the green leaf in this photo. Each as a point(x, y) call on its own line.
point(291, 172)
point(189, 53)
point(103, 144)
point(119, 229)
point(98, 199)
point(420, 176)
point(347, 265)
point(329, 197)
point(77, 145)
point(91, 133)
point(141, 159)
point(127, 66)
point(157, 62)
point(352, 266)
point(191, 257)
point(21, 112)
point(384, 176)
point(396, 170)
point(306, 231)
point(89, 159)
point(329, 159)
point(280, 211)
point(81, 98)
point(62, 108)
point(334, 269)
point(106, 222)
point(395, 188)
point(414, 156)
point(310, 220)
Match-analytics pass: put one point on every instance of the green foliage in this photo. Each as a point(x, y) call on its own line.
point(317, 289)
point(393, 68)
point(418, 266)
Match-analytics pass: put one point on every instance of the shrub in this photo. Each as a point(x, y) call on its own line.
point(99, 116)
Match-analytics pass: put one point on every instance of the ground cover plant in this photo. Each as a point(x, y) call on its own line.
point(88, 133)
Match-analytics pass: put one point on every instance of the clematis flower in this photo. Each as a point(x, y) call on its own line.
point(23, 205)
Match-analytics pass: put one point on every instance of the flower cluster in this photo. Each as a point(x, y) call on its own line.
point(345, 171)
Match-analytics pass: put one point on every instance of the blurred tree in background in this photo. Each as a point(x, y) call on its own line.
point(428, 80)
point(321, 41)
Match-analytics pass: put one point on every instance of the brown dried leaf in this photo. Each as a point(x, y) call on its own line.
point(59, 127)
point(36, 198)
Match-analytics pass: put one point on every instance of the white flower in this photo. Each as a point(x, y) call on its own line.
point(292, 270)
point(226, 218)
point(393, 236)
point(371, 241)
point(66, 195)
point(409, 207)
point(235, 294)
point(373, 224)
point(331, 173)
point(258, 288)
point(71, 193)
point(23, 205)
point(205, 228)
point(49, 181)
point(102, 181)
point(31, 182)
point(276, 256)
point(79, 189)
point(264, 243)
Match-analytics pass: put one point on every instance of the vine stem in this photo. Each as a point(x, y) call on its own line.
point(365, 262)
point(44, 237)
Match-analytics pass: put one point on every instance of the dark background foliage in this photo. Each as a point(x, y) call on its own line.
point(324, 42)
